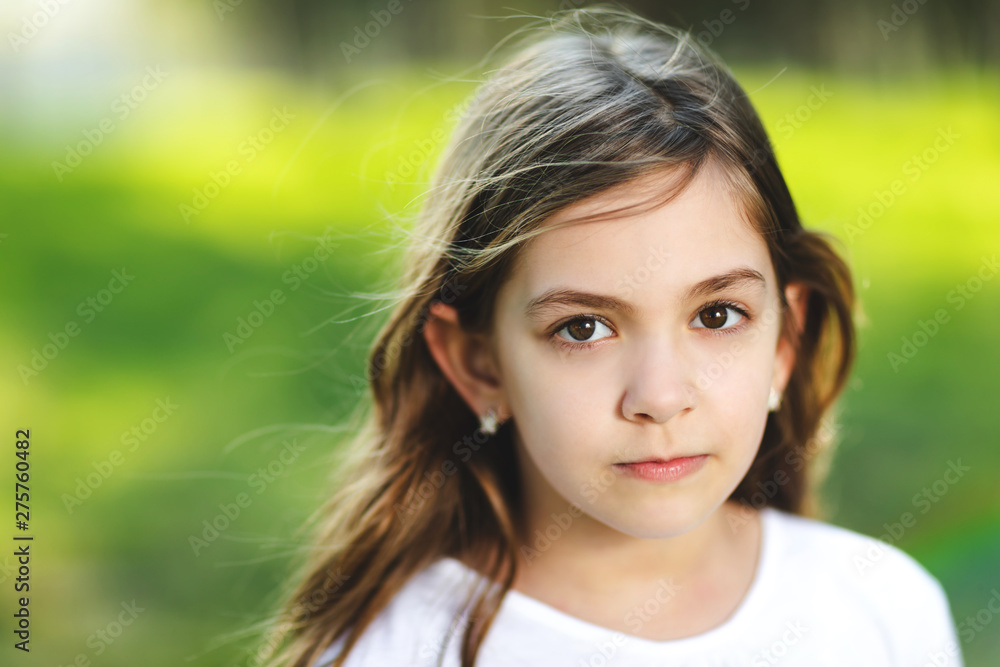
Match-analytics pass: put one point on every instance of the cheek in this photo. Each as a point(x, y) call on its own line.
point(739, 406)
point(556, 401)
point(739, 367)
point(543, 382)
point(732, 382)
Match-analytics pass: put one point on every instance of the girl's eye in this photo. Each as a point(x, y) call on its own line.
point(717, 316)
point(583, 329)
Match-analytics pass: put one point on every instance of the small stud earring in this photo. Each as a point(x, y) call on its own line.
point(773, 401)
point(488, 422)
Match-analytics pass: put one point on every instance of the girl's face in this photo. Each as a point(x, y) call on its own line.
point(636, 356)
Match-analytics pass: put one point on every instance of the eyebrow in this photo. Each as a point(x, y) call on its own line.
point(742, 277)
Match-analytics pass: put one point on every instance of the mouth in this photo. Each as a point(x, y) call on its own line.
point(662, 470)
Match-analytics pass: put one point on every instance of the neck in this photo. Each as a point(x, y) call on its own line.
point(576, 547)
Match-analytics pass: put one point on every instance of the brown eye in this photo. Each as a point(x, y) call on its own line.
point(713, 317)
point(583, 330)
point(718, 316)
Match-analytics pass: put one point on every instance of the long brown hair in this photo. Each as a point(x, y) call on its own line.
point(597, 99)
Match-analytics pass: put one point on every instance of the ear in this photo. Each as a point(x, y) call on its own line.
point(796, 296)
point(466, 359)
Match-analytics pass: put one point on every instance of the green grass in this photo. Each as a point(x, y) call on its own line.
point(344, 163)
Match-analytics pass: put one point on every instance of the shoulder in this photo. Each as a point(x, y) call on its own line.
point(867, 578)
point(864, 561)
point(418, 624)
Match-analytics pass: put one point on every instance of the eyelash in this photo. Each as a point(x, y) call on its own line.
point(586, 345)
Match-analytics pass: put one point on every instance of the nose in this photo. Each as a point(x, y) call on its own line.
point(658, 385)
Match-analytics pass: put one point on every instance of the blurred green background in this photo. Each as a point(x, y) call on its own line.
point(215, 153)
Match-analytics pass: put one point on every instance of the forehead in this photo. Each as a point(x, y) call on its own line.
point(699, 233)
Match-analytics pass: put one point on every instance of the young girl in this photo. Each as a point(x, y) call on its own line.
point(596, 410)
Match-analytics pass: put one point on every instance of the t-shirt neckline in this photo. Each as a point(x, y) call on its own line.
point(522, 604)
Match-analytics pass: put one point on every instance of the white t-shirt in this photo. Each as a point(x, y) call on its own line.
point(822, 595)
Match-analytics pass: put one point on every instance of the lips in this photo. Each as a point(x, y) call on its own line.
point(655, 460)
point(660, 470)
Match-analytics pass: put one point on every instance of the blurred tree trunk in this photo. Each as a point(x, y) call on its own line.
point(860, 35)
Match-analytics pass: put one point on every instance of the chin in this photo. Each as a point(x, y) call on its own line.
point(661, 521)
